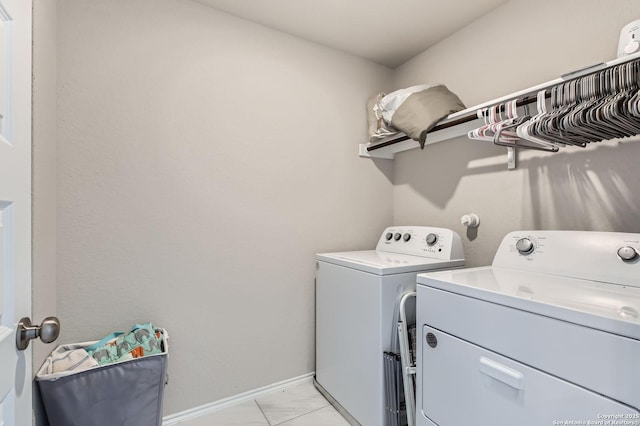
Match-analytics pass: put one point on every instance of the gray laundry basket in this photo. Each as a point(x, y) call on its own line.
point(127, 393)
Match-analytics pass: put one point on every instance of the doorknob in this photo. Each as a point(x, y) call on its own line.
point(48, 331)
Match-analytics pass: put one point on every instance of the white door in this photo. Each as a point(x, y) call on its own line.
point(15, 208)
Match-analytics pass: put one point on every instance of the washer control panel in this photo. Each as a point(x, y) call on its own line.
point(600, 256)
point(425, 241)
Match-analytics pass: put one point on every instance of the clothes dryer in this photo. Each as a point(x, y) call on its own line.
point(357, 295)
point(549, 334)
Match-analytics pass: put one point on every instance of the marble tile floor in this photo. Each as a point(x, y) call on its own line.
point(299, 405)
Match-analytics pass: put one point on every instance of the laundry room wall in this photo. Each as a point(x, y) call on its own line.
point(44, 181)
point(519, 45)
point(202, 161)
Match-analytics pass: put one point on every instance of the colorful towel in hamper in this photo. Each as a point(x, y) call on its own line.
point(142, 340)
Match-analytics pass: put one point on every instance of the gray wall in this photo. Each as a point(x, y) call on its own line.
point(202, 161)
point(44, 178)
point(518, 45)
point(44, 191)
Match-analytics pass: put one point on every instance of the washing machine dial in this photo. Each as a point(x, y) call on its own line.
point(632, 47)
point(627, 254)
point(525, 246)
point(431, 239)
point(406, 237)
point(397, 236)
point(389, 236)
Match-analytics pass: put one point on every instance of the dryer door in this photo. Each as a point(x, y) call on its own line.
point(464, 384)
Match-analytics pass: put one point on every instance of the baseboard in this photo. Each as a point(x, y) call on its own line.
point(211, 407)
point(339, 408)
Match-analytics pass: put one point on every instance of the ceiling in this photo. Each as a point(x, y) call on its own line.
point(388, 32)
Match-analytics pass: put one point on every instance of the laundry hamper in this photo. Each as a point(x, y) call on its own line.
point(127, 393)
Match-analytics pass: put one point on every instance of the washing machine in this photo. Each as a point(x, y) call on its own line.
point(549, 334)
point(357, 295)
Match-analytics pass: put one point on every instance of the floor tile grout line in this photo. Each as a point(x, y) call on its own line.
point(263, 414)
point(301, 415)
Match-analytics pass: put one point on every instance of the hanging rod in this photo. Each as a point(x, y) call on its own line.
point(450, 122)
point(526, 97)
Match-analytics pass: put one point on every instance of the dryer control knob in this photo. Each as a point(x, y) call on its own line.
point(525, 246)
point(431, 239)
point(406, 237)
point(389, 236)
point(397, 236)
point(627, 253)
point(632, 47)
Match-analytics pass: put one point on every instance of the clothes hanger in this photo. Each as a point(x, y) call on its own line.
point(528, 131)
point(485, 132)
point(610, 115)
point(509, 136)
point(545, 127)
point(600, 106)
point(511, 112)
point(478, 133)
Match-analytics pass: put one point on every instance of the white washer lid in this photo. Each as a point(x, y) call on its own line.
point(385, 263)
point(609, 307)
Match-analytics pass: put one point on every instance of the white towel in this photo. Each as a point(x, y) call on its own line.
point(391, 102)
point(64, 358)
